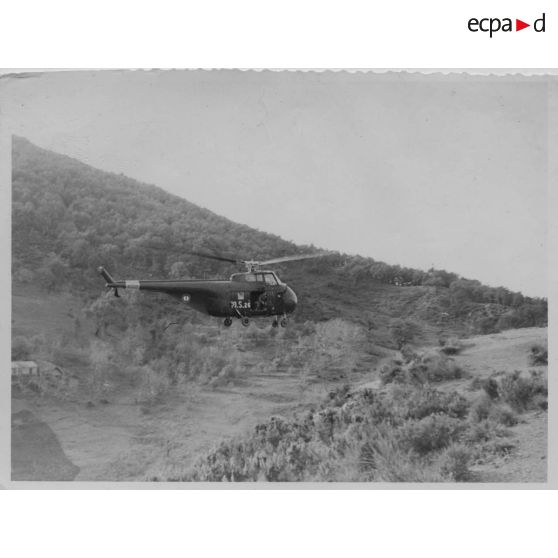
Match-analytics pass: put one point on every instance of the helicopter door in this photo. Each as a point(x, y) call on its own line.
point(240, 300)
point(259, 299)
point(273, 294)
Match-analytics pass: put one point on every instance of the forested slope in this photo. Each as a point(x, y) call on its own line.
point(68, 218)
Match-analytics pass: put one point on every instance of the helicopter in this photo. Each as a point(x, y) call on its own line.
point(253, 293)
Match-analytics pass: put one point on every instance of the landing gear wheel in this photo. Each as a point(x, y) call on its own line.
point(245, 322)
point(274, 323)
point(227, 322)
point(283, 322)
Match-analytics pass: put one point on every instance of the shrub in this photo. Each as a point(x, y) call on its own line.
point(480, 409)
point(393, 374)
point(416, 404)
point(431, 433)
point(484, 431)
point(486, 324)
point(538, 355)
point(540, 401)
point(433, 367)
point(490, 387)
point(420, 369)
point(520, 391)
point(452, 346)
point(455, 463)
point(503, 414)
point(408, 353)
point(339, 396)
point(499, 446)
point(383, 459)
point(486, 408)
point(403, 332)
point(440, 368)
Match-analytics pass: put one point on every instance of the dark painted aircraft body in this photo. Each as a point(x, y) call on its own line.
point(254, 293)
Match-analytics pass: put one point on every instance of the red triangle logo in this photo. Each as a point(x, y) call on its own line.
point(519, 25)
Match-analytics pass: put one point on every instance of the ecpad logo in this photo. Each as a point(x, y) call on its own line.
point(492, 25)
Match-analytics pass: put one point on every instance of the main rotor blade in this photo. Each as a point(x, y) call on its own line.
point(294, 258)
point(211, 257)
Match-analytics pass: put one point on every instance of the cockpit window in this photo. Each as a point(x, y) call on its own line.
point(270, 279)
point(243, 277)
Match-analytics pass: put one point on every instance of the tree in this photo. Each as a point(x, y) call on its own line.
point(52, 272)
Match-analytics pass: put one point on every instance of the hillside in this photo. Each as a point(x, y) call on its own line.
point(148, 385)
point(445, 432)
point(68, 218)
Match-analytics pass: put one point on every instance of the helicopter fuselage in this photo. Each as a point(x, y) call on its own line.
point(245, 295)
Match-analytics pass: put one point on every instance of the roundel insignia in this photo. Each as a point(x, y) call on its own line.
point(186, 298)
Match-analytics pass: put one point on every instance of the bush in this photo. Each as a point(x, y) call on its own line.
point(383, 459)
point(416, 404)
point(486, 324)
point(408, 353)
point(455, 463)
point(484, 431)
point(538, 355)
point(403, 332)
point(393, 374)
point(420, 369)
point(523, 392)
point(490, 387)
point(439, 368)
point(339, 396)
point(431, 433)
point(451, 346)
point(503, 414)
point(480, 409)
point(486, 408)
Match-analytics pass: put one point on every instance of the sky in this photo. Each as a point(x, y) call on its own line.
point(411, 169)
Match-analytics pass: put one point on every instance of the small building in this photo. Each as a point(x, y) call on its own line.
point(24, 368)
